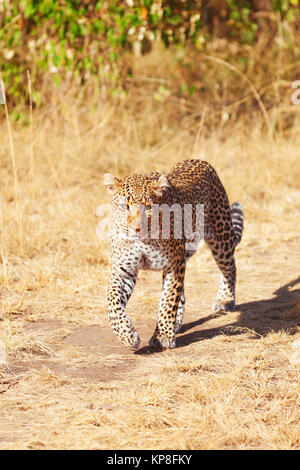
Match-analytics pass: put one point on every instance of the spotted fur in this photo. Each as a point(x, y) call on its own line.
point(189, 182)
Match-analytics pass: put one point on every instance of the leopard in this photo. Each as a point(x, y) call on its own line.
point(191, 183)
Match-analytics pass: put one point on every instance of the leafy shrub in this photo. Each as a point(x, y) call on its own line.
point(73, 40)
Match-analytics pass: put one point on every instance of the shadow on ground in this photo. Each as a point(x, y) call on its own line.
point(259, 317)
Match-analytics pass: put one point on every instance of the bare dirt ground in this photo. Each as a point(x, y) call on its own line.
point(65, 380)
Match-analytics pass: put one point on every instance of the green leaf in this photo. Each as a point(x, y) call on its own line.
point(56, 60)
point(192, 90)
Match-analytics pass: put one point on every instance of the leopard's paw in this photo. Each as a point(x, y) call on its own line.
point(131, 340)
point(162, 342)
point(223, 306)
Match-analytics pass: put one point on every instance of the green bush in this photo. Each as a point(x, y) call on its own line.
point(76, 39)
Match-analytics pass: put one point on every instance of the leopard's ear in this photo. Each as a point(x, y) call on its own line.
point(111, 182)
point(160, 186)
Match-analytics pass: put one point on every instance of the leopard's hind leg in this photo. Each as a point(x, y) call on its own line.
point(227, 233)
point(226, 293)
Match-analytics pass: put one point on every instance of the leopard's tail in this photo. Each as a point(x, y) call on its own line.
point(237, 217)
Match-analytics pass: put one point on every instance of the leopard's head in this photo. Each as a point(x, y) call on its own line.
point(134, 199)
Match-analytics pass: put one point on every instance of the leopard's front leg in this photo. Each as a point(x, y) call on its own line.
point(121, 286)
point(164, 334)
point(181, 307)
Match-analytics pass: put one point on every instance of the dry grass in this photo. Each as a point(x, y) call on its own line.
point(233, 381)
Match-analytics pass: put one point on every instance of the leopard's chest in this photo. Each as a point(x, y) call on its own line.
point(153, 258)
